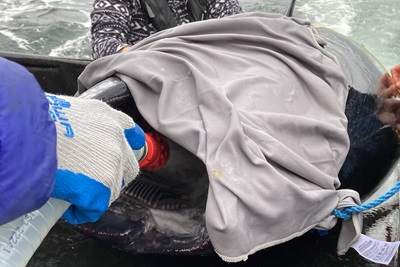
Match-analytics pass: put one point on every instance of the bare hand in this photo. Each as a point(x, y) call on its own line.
point(390, 113)
point(390, 84)
point(123, 50)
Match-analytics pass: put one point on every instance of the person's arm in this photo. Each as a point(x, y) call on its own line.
point(372, 123)
point(28, 160)
point(223, 8)
point(75, 149)
point(360, 108)
point(369, 160)
point(390, 83)
point(374, 143)
point(95, 146)
point(366, 113)
point(110, 26)
point(375, 109)
point(389, 92)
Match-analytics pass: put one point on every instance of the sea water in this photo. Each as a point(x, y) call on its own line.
point(62, 28)
point(46, 27)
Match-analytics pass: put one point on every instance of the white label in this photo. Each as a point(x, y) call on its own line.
point(381, 252)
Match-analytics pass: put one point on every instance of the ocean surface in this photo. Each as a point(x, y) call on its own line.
point(61, 28)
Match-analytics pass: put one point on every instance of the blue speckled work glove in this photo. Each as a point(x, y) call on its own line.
point(95, 157)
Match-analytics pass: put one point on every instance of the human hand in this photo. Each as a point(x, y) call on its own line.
point(390, 83)
point(95, 156)
point(390, 113)
point(126, 48)
point(395, 71)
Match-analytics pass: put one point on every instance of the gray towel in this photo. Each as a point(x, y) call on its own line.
point(261, 103)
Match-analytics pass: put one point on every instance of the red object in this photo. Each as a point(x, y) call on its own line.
point(157, 153)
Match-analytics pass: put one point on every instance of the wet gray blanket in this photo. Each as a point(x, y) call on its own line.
point(258, 100)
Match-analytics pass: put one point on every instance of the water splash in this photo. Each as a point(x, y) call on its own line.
point(45, 27)
point(79, 48)
point(374, 24)
point(20, 42)
point(335, 14)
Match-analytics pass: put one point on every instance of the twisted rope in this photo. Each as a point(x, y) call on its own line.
point(346, 213)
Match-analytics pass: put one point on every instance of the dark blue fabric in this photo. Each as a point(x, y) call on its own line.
point(28, 161)
point(373, 147)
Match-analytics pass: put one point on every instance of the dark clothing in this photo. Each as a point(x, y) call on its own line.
point(119, 23)
point(28, 160)
point(373, 145)
point(361, 114)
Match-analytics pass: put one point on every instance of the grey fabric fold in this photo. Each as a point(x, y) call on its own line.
point(261, 103)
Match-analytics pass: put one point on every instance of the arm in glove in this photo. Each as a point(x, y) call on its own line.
point(95, 157)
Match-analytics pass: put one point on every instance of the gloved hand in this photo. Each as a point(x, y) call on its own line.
point(95, 157)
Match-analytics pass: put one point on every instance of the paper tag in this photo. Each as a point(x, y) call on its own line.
point(381, 252)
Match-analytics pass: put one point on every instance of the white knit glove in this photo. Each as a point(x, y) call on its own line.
point(95, 157)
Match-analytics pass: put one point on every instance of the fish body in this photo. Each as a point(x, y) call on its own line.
point(162, 212)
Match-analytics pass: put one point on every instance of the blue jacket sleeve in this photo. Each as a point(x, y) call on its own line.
point(28, 161)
